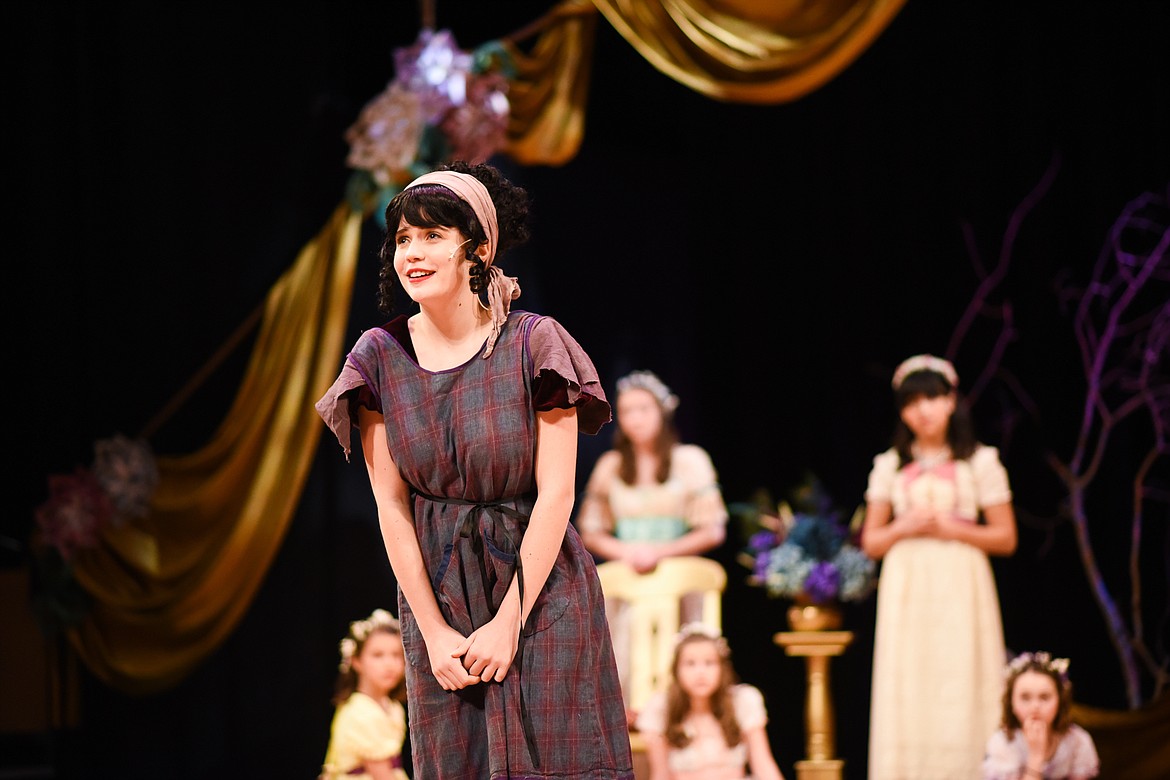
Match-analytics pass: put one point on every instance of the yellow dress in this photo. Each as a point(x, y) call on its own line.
point(363, 731)
point(938, 639)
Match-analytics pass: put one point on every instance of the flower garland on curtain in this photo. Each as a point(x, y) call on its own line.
point(114, 489)
point(443, 104)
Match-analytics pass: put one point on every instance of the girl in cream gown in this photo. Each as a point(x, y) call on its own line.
point(937, 504)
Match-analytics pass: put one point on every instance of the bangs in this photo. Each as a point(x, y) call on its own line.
point(919, 383)
point(427, 205)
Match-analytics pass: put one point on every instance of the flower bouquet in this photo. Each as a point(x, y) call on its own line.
point(807, 553)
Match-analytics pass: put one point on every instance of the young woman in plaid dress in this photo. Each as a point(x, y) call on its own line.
point(469, 414)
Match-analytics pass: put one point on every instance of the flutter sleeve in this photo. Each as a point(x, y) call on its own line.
point(991, 478)
point(705, 504)
point(554, 351)
point(357, 377)
point(882, 476)
point(749, 707)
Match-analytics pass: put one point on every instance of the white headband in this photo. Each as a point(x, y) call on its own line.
point(924, 363)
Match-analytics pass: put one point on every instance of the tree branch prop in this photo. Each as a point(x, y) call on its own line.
point(1121, 321)
point(1122, 326)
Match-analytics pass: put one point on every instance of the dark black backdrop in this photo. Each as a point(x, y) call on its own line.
point(771, 263)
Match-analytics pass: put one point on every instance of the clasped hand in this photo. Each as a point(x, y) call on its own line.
point(486, 654)
point(926, 521)
point(642, 558)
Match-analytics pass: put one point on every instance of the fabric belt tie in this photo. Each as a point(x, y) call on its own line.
point(469, 529)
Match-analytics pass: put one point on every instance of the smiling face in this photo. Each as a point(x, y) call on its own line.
point(1034, 697)
point(431, 262)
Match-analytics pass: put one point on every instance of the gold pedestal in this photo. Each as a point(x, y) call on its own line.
point(817, 647)
point(826, 769)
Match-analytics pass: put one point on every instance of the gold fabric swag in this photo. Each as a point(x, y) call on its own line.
point(168, 589)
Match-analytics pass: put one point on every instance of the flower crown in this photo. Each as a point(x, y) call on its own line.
point(706, 632)
point(648, 381)
point(924, 363)
point(1055, 666)
point(360, 630)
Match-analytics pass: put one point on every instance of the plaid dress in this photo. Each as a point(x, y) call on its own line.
point(464, 439)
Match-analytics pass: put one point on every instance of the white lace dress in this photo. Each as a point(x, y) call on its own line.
point(938, 642)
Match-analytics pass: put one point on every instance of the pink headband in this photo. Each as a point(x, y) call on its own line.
point(924, 363)
point(471, 191)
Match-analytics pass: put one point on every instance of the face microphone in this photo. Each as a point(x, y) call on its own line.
point(456, 249)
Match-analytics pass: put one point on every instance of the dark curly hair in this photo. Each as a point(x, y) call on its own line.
point(960, 430)
point(432, 205)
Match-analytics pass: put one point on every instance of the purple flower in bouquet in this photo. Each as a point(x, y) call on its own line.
point(821, 584)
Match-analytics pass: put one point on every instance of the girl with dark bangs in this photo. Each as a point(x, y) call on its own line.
point(938, 504)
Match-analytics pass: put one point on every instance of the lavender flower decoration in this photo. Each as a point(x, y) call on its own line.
point(436, 70)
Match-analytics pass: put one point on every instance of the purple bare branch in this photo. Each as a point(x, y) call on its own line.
point(991, 280)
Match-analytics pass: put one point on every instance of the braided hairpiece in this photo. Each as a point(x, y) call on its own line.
point(360, 630)
point(706, 632)
point(1055, 666)
point(924, 363)
point(649, 381)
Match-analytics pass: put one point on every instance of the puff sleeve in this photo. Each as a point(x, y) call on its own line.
point(705, 504)
point(750, 711)
point(881, 477)
point(652, 717)
point(991, 478)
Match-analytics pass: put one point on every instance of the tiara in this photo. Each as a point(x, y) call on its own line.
point(360, 630)
point(1056, 666)
point(924, 363)
point(648, 381)
point(706, 632)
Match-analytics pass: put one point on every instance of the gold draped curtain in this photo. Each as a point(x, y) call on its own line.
point(168, 589)
point(742, 51)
